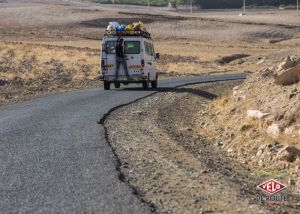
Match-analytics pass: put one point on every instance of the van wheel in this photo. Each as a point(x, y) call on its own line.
point(154, 83)
point(106, 85)
point(117, 85)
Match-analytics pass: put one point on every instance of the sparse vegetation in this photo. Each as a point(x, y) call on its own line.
point(27, 69)
point(271, 173)
point(134, 2)
point(206, 4)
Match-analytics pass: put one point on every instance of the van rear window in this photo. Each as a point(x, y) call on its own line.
point(109, 47)
point(132, 47)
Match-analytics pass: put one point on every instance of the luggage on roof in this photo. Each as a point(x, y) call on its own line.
point(134, 29)
point(112, 26)
point(139, 26)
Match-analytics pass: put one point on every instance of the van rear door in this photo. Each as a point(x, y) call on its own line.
point(133, 51)
point(109, 57)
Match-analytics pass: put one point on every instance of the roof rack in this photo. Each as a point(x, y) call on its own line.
point(128, 33)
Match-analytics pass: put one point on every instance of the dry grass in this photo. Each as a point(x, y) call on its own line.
point(32, 61)
point(222, 34)
point(202, 30)
point(223, 28)
point(206, 55)
point(28, 70)
point(275, 17)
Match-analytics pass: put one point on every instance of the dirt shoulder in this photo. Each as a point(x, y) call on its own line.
point(171, 165)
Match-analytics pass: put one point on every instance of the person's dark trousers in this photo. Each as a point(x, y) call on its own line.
point(121, 60)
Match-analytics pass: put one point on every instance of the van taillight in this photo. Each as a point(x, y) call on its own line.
point(143, 63)
point(102, 63)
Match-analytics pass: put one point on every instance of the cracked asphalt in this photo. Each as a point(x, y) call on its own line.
point(54, 157)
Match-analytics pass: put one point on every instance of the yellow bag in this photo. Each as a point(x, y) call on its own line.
point(138, 26)
point(142, 26)
point(129, 28)
point(135, 26)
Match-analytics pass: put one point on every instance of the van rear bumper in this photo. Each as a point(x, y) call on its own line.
point(123, 79)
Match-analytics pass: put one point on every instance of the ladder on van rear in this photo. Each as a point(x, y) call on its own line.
point(103, 59)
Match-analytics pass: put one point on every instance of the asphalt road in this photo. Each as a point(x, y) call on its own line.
point(54, 157)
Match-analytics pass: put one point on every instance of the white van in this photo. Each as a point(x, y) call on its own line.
point(140, 59)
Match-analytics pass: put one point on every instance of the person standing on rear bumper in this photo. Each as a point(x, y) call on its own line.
point(121, 58)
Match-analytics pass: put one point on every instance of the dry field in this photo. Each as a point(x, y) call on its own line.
point(258, 16)
point(68, 34)
point(33, 69)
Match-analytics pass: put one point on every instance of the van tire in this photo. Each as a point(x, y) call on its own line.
point(106, 85)
point(146, 84)
point(154, 83)
point(117, 85)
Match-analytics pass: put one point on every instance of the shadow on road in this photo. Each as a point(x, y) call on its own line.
point(198, 92)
